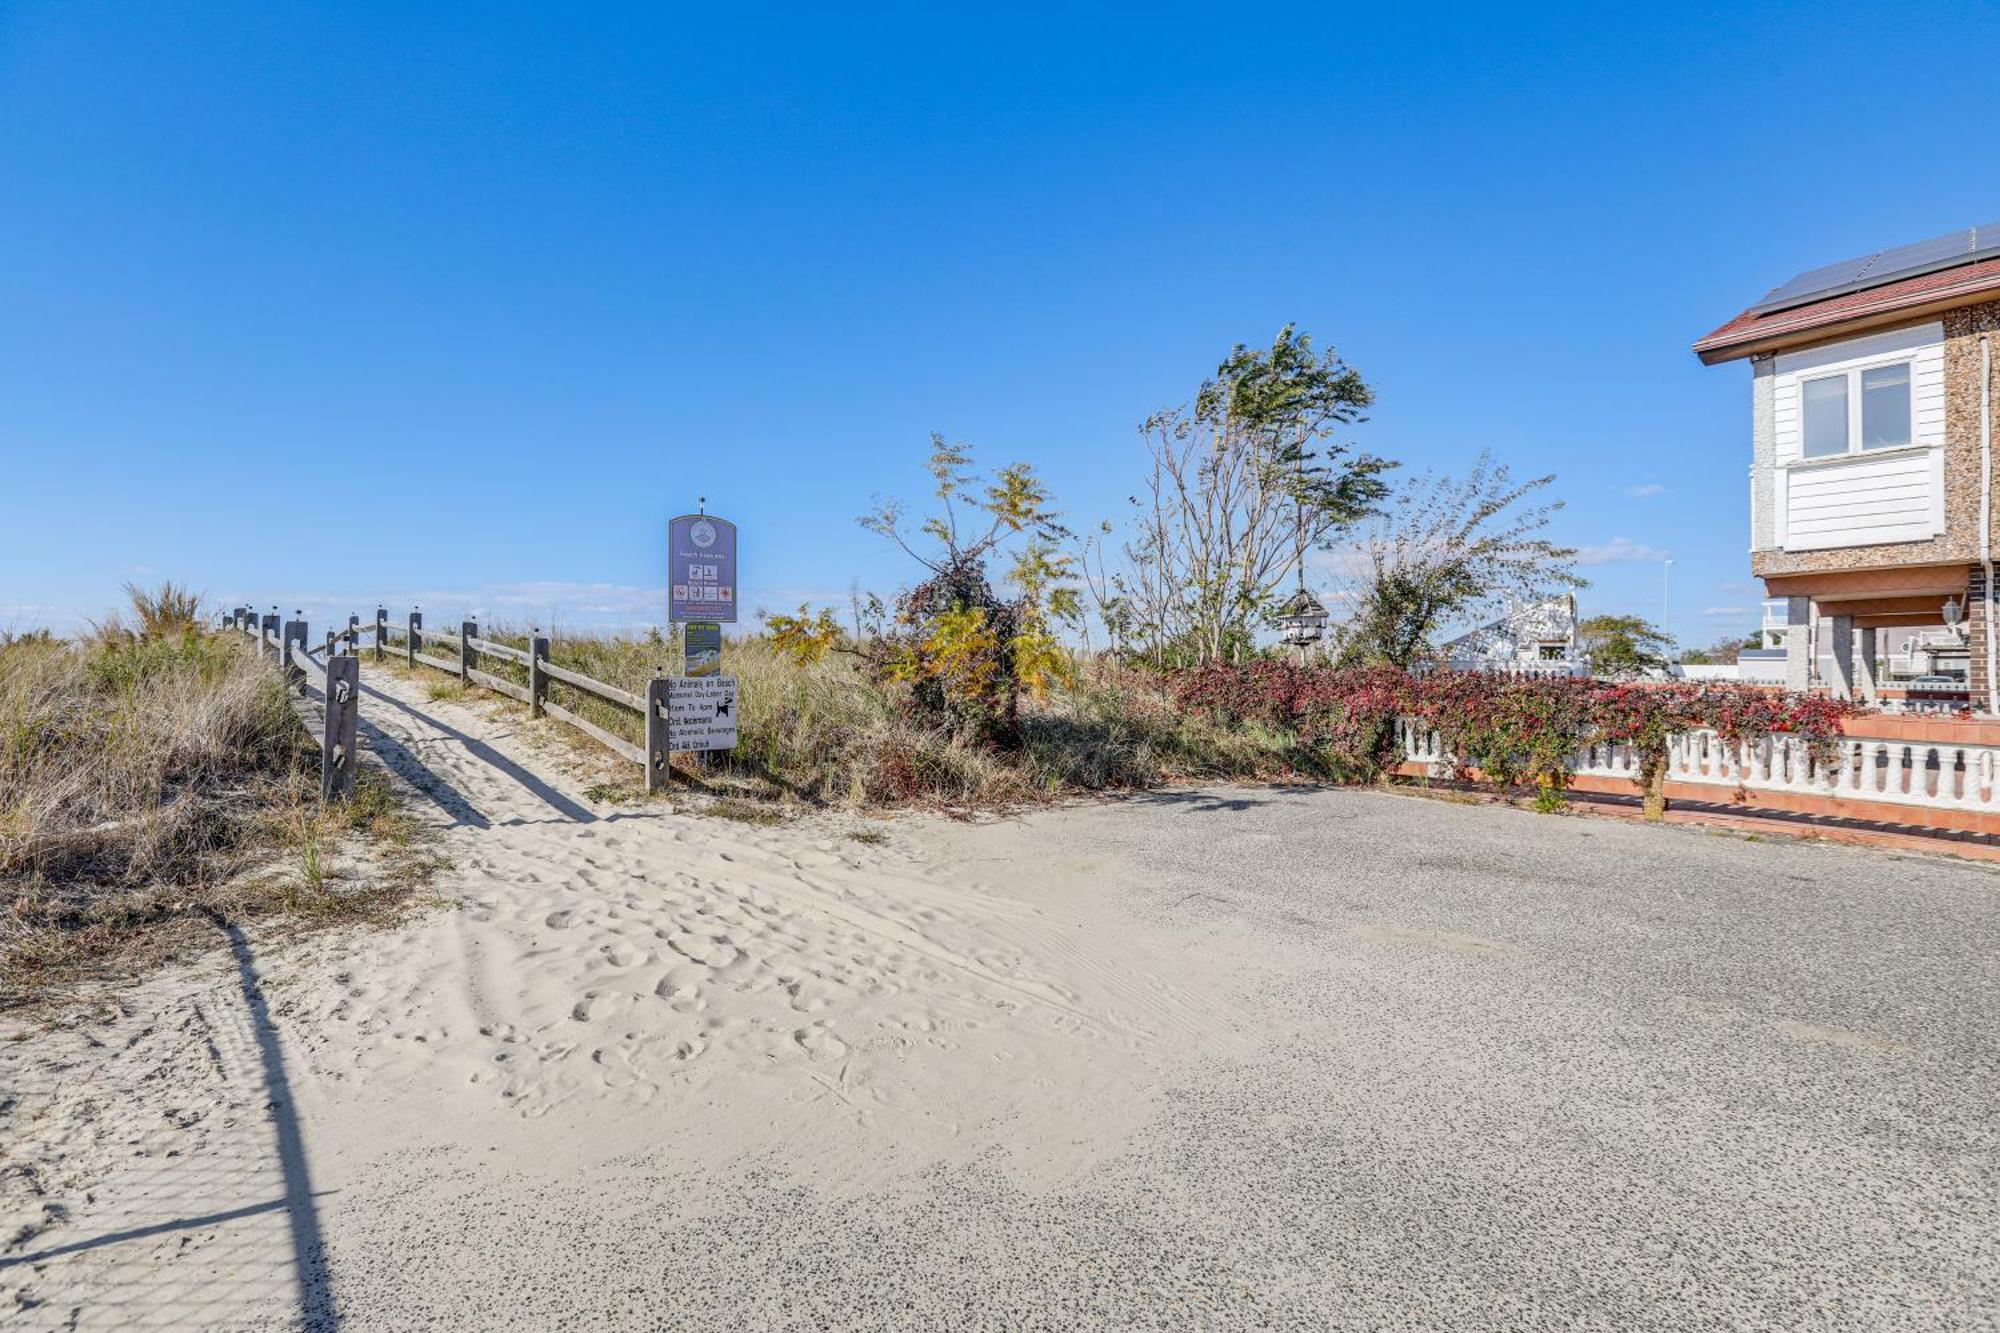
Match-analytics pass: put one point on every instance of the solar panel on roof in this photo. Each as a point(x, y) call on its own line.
point(1830, 278)
point(1884, 266)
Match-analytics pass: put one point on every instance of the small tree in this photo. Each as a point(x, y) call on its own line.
point(1244, 481)
point(1445, 550)
point(1724, 651)
point(966, 653)
point(1621, 647)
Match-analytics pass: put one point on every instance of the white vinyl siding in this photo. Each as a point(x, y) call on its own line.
point(1867, 494)
point(1862, 500)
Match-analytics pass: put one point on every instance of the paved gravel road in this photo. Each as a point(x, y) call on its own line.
point(1490, 1071)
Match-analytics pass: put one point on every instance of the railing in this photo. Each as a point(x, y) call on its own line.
point(1535, 669)
point(1935, 775)
point(1904, 700)
point(340, 679)
point(466, 648)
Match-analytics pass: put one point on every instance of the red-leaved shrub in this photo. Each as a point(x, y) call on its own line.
point(1513, 730)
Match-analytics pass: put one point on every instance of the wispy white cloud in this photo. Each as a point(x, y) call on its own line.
point(1645, 490)
point(1727, 610)
point(1619, 550)
point(549, 604)
point(1349, 560)
point(20, 617)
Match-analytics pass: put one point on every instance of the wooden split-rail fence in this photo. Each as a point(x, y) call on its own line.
point(338, 673)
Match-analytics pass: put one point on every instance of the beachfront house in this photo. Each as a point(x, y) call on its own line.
point(1872, 475)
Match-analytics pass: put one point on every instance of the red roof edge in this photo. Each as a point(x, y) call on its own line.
point(1749, 332)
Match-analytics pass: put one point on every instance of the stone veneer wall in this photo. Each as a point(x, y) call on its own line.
point(1962, 330)
point(1960, 539)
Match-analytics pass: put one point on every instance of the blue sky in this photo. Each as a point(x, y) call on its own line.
point(329, 304)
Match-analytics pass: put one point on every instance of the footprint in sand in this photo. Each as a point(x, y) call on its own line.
point(562, 920)
point(818, 1043)
point(803, 1000)
point(708, 950)
point(682, 996)
point(621, 955)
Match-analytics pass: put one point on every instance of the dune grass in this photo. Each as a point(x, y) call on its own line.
point(153, 777)
point(827, 735)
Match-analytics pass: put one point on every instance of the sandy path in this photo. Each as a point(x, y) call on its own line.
point(618, 985)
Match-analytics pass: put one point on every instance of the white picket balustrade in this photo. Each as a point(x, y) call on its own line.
point(1940, 775)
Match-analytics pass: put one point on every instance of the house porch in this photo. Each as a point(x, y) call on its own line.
point(1851, 612)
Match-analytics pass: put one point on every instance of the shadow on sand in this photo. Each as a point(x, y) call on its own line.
point(250, 1268)
point(454, 802)
point(309, 1267)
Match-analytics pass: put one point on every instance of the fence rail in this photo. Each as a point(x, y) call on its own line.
point(609, 693)
point(341, 679)
point(340, 683)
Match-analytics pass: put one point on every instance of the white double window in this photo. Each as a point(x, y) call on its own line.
point(1856, 410)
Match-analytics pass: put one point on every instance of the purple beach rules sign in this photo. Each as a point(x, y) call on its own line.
point(701, 569)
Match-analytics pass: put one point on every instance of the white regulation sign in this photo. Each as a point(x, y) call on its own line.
point(701, 713)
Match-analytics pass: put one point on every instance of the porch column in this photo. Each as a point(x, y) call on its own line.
point(1798, 644)
point(1843, 657)
point(1865, 669)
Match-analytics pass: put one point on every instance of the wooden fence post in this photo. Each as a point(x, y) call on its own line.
point(467, 631)
point(353, 634)
point(336, 750)
point(295, 633)
point(538, 679)
point(411, 645)
point(659, 754)
point(267, 630)
point(381, 631)
point(331, 640)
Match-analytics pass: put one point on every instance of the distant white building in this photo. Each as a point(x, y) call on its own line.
point(1536, 639)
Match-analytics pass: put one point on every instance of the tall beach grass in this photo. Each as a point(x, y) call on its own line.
point(154, 775)
point(827, 734)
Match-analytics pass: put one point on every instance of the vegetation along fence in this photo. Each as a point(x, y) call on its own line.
point(340, 676)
